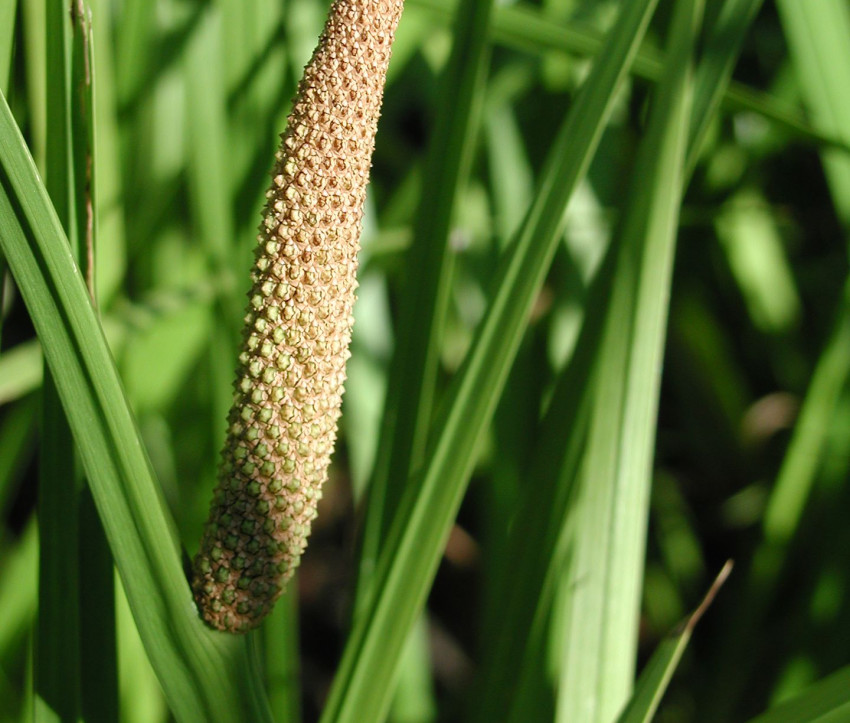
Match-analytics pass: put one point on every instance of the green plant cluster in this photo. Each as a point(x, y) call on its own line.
point(601, 347)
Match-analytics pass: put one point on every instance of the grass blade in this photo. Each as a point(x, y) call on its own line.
point(110, 261)
point(208, 158)
point(7, 44)
point(827, 701)
point(716, 66)
point(520, 27)
point(56, 676)
point(211, 202)
point(206, 676)
point(607, 550)
point(797, 475)
point(659, 670)
point(412, 378)
point(57, 647)
point(98, 653)
point(786, 504)
point(543, 519)
point(816, 34)
point(35, 54)
point(817, 37)
point(280, 642)
point(413, 373)
point(409, 560)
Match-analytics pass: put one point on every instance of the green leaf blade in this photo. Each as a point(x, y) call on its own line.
point(419, 530)
point(605, 569)
point(207, 676)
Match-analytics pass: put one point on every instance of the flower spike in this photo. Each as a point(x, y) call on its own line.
point(289, 383)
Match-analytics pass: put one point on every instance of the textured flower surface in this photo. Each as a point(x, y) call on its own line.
point(289, 383)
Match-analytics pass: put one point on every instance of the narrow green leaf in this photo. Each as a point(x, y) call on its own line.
point(414, 701)
point(605, 567)
point(2, 288)
point(515, 436)
point(62, 165)
point(7, 42)
point(542, 523)
point(142, 699)
point(211, 202)
point(98, 662)
point(210, 193)
point(787, 502)
point(371, 347)
point(409, 403)
point(57, 676)
point(817, 37)
point(206, 676)
point(827, 701)
point(57, 652)
point(18, 601)
point(110, 257)
point(656, 675)
point(417, 536)
point(134, 49)
point(715, 68)
point(161, 354)
point(413, 373)
point(797, 474)
point(34, 20)
point(259, 88)
point(98, 652)
point(523, 28)
point(280, 644)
